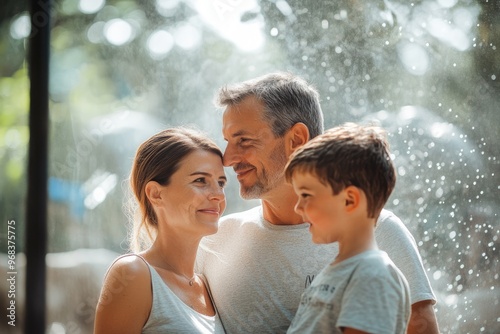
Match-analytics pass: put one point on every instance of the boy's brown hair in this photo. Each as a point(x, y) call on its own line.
point(349, 155)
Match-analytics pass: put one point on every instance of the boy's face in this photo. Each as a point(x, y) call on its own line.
point(320, 207)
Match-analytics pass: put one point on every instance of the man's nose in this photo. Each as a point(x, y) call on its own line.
point(230, 156)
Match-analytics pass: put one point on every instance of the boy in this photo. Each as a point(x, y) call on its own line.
point(343, 179)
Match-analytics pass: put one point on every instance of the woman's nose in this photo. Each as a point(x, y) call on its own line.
point(217, 193)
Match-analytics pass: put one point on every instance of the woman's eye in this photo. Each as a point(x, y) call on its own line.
point(200, 180)
point(222, 184)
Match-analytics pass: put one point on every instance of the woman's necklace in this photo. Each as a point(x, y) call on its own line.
point(190, 280)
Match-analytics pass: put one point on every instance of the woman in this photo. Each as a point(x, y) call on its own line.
point(178, 180)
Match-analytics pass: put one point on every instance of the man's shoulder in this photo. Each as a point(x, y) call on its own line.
point(231, 232)
point(388, 222)
point(247, 216)
point(387, 215)
point(392, 235)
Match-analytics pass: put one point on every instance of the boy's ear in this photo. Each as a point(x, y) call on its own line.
point(352, 198)
point(153, 192)
point(297, 136)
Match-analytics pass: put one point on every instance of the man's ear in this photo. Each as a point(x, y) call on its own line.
point(153, 192)
point(297, 136)
point(352, 198)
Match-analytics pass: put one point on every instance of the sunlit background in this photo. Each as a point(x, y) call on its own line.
point(427, 70)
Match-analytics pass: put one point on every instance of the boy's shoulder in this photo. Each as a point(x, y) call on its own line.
point(376, 264)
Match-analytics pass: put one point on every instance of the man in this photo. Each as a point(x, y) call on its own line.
point(261, 260)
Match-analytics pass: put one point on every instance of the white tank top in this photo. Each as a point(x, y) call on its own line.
point(169, 314)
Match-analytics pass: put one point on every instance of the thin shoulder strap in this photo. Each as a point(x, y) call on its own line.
point(140, 257)
point(203, 278)
point(125, 255)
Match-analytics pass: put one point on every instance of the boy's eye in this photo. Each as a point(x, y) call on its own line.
point(303, 195)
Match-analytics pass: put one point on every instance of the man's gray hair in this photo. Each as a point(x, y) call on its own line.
point(288, 100)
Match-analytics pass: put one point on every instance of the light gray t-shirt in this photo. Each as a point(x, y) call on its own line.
point(169, 314)
point(365, 292)
point(258, 271)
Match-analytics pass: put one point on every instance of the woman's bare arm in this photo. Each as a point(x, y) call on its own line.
point(126, 297)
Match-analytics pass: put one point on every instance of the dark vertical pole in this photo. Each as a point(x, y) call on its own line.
point(36, 210)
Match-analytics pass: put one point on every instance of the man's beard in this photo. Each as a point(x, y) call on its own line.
point(267, 180)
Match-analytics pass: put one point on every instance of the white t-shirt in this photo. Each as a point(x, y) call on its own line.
point(258, 271)
point(365, 292)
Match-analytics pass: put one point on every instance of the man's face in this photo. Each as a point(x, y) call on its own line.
point(255, 155)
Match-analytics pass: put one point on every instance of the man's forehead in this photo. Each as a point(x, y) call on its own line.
point(256, 132)
point(240, 129)
point(239, 120)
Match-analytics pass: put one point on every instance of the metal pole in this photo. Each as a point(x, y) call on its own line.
point(36, 210)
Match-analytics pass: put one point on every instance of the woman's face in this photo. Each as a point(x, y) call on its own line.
point(194, 200)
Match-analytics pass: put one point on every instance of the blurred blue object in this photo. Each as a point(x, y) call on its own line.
point(68, 192)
